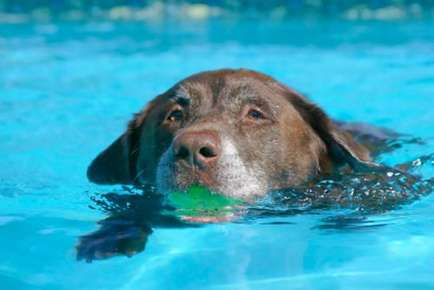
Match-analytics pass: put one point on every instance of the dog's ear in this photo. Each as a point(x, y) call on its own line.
point(117, 163)
point(341, 148)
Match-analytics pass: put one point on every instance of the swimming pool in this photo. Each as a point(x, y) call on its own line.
point(68, 89)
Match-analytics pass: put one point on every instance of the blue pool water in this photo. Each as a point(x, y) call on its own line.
point(68, 89)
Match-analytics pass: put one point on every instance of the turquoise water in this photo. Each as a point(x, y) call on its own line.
point(68, 89)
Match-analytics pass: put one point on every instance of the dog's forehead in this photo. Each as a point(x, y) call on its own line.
point(217, 87)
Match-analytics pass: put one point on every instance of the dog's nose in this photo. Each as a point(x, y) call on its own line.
point(200, 148)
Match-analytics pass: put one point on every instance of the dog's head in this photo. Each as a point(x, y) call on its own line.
point(238, 132)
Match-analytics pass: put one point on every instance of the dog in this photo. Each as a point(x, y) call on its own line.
point(242, 134)
point(239, 133)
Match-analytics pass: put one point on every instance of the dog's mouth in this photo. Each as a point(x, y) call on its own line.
point(198, 197)
point(220, 181)
point(186, 177)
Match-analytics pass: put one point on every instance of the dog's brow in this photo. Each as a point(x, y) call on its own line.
point(183, 101)
point(181, 98)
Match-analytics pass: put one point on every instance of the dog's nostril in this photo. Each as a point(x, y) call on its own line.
point(183, 153)
point(207, 152)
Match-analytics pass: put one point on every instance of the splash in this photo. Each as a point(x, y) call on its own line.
point(362, 193)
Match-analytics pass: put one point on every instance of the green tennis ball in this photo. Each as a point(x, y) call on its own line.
point(200, 201)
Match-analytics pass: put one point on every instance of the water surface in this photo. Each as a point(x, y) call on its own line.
point(68, 89)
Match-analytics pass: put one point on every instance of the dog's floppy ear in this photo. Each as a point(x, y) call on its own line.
point(341, 147)
point(117, 163)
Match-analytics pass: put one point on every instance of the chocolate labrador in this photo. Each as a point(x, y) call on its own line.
point(242, 134)
point(238, 132)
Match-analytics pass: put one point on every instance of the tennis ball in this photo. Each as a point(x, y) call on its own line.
point(199, 201)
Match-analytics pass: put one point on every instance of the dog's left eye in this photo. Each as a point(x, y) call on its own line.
point(175, 115)
point(255, 114)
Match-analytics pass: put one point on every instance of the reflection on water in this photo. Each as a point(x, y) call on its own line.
point(352, 196)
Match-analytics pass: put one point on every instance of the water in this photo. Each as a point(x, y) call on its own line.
point(68, 89)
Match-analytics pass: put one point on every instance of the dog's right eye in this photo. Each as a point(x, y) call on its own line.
point(175, 116)
point(255, 114)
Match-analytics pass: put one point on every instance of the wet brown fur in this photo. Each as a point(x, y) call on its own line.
point(316, 145)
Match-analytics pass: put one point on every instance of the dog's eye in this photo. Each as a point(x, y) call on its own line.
point(255, 114)
point(175, 115)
